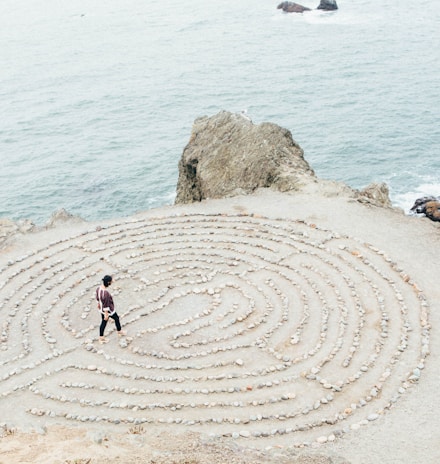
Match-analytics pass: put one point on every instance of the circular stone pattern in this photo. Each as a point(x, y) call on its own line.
point(237, 325)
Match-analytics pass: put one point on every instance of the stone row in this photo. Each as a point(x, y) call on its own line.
point(195, 260)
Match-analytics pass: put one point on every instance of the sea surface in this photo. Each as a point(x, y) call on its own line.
point(97, 98)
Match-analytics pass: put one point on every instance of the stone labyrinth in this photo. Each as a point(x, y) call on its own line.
point(237, 325)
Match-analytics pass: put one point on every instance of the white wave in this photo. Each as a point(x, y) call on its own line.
point(339, 17)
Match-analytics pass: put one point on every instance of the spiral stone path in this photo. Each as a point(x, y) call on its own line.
point(238, 326)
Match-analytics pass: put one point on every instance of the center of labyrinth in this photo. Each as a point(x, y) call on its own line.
point(237, 326)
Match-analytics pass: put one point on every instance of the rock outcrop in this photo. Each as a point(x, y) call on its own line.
point(327, 5)
point(9, 228)
point(376, 194)
point(429, 206)
point(61, 217)
point(291, 7)
point(419, 206)
point(432, 210)
point(228, 155)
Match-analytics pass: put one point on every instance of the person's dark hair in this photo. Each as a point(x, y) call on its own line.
point(107, 280)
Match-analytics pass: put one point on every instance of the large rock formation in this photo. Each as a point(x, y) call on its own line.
point(228, 155)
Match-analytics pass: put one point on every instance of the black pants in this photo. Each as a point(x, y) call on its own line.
point(115, 317)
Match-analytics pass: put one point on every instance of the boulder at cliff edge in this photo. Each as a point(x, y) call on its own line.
point(228, 155)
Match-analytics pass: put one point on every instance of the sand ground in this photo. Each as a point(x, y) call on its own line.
point(300, 328)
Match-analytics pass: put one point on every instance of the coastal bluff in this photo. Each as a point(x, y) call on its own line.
point(228, 155)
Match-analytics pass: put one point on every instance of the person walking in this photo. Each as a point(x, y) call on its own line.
point(107, 308)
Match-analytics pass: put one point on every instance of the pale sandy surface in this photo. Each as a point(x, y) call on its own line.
point(261, 251)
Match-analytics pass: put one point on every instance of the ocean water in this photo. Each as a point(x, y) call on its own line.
point(97, 98)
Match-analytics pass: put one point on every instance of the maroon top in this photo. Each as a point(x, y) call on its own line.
point(106, 299)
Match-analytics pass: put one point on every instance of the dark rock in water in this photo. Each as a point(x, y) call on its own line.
point(291, 7)
point(328, 5)
point(419, 206)
point(228, 155)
